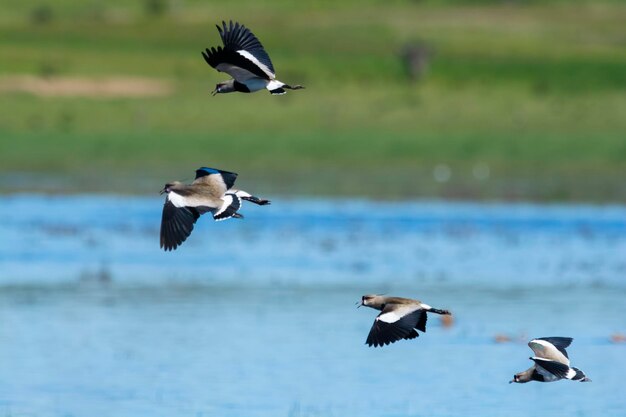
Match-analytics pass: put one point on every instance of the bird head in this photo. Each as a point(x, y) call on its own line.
point(224, 87)
point(168, 187)
point(371, 300)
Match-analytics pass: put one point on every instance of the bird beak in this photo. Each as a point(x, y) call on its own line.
point(358, 304)
point(511, 381)
point(214, 92)
point(163, 191)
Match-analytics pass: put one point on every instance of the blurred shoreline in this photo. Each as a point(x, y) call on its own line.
point(502, 100)
point(403, 185)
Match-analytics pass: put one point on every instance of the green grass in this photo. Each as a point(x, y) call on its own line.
point(534, 90)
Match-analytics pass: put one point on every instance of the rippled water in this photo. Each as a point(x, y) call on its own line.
point(257, 317)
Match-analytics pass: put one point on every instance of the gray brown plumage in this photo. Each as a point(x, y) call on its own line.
point(212, 192)
point(400, 318)
point(551, 362)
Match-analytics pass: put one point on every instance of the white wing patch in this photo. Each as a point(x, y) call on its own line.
point(537, 347)
point(236, 72)
point(397, 313)
point(274, 84)
point(256, 62)
point(547, 350)
point(570, 374)
point(390, 317)
point(177, 199)
point(543, 343)
point(240, 193)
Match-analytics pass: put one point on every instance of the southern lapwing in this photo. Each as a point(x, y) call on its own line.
point(244, 59)
point(551, 362)
point(399, 318)
point(211, 192)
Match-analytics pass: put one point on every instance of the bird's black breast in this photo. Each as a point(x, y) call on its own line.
point(241, 87)
point(536, 376)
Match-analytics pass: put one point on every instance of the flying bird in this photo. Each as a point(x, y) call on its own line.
point(399, 318)
point(243, 58)
point(212, 191)
point(551, 362)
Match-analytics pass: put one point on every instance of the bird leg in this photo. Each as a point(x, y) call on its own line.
point(257, 200)
point(295, 87)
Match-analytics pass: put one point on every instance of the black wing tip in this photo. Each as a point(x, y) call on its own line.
point(168, 243)
point(561, 339)
point(378, 344)
point(168, 247)
point(229, 27)
point(413, 334)
point(207, 56)
point(559, 342)
point(171, 243)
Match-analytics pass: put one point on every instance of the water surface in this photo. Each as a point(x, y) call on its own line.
point(257, 317)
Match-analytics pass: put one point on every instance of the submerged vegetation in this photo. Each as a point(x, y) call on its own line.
point(522, 99)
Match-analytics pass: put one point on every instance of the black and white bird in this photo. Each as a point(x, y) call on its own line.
point(244, 59)
point(551, 362)
point(212, 191)
point(400, 318)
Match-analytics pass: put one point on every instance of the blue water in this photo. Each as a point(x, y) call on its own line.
point(257, 317)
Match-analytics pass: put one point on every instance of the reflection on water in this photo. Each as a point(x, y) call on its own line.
point(257, 317)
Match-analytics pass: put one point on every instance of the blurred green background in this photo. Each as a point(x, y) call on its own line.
point(446, 99)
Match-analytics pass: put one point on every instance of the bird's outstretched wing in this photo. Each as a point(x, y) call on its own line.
point(176, 224)
point(239, 38)
point(552, 348)
point(242, 56)
point(394, 324)
point(559, 342)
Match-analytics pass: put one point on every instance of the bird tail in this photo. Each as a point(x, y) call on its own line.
point(580, 376)
point(436, 310)
point(257, 200)
point(249, 197)
point(276, 87)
